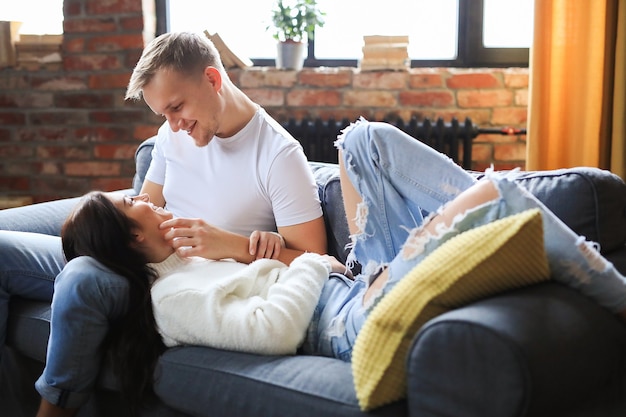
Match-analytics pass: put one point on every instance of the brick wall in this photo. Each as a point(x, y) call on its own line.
point(65, 128)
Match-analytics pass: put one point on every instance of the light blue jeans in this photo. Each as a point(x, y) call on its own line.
point(85, 297)
point(401, 181)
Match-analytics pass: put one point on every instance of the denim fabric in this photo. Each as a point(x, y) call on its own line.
point(29, 262)
point(401, 181)
point(87, 297)
point(573, 261)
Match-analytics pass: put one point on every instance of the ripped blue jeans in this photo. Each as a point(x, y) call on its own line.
point(402, 182)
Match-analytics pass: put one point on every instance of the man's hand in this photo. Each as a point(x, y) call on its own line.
point(266, 244)
point(195, 237)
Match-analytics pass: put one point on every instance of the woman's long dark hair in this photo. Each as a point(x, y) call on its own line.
point(97, 228)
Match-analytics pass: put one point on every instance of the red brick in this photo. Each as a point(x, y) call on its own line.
point(473, 80)
point(73, 45)
point(370, 99)
point(115, 151)
point(516, 78)
point(132, 23)
point(426, 98)
point(106, 81)
point(105, 24)
point(44, 118)
point(521, 98)
point(47, 133)
point(145, 132)
point(12, 118)
point(112, 6)
point(510, 152)
point(64, 152)
point(263, 77)
point(510, 116)
point(266, 96)
point(92, 168)
point(6, 135)
point(425, 79)
point(111, 184)
point(482, 152)
point(19, 169)
point(313, 98)
point(91, 62)
point(97, 134)
point(12, 80)
point(115, 43)
point(72, 8)
point(14, 184)
point(15, 151)
point(484, 98)
point(115, 116)
point(325, 77)
point(84, 100)
point(57, 83)
point(381, 80)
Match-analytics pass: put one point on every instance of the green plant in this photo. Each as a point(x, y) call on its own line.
point(296, 20)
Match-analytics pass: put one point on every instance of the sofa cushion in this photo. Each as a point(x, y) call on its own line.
point(502, 255)
point(202, 381)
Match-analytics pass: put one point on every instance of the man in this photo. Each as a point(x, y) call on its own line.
point(227, 171)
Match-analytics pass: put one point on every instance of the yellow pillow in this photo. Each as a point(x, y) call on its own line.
point(506, 254)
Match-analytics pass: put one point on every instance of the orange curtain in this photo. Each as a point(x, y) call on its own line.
point(574, 67)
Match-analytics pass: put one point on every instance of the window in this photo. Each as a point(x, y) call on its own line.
point(453, 33)
point(38, 17)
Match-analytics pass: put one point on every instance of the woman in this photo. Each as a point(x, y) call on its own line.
point(402, 200)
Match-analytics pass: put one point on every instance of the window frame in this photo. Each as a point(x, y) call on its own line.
point(471, 52)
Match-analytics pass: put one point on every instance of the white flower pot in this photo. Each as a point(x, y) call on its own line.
point(290, 55)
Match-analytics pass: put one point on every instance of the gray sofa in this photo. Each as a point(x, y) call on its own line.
point(539, 351)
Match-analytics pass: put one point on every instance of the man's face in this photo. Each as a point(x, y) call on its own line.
point(189, 103)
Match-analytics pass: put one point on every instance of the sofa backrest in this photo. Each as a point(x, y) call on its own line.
point(327, 177)
point(589, 200)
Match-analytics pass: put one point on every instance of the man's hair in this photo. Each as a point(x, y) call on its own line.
point(186, 52)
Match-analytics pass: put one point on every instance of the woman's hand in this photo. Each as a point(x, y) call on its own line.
point(266, 244)
point(338, 266)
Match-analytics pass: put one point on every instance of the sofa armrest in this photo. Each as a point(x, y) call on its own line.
point(526, 352)
point(143, 157)
point(46, 218)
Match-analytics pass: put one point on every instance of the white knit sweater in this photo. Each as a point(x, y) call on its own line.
point(263, 308)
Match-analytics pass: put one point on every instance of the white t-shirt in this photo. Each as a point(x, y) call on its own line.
point(258, 179)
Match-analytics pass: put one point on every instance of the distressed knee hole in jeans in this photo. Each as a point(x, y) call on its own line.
point(595, 262)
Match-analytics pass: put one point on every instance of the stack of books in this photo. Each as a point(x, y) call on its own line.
point(229, 58)
point(9, 35)
point(35, 51)
point(385, 53)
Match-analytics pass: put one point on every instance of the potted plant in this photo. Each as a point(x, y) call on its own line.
point(294, 22)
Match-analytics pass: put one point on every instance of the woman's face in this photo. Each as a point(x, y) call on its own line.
point(148, 217)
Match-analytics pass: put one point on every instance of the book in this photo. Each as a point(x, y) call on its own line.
point(9, 35)
point(229, 58)
point(385, 53)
